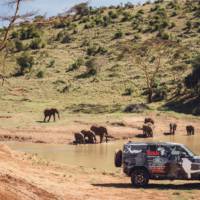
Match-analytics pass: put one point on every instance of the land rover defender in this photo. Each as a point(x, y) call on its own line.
point(161, 161)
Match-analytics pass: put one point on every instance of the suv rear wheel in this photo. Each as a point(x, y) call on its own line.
point(140, 178)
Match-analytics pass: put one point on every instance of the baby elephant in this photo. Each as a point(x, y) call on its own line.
point(148, 130)
point(190, 130)
point(173, 127)
point(79, 138)
point(89, 137)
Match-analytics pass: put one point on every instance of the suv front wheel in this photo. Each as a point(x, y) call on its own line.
point(140, 178)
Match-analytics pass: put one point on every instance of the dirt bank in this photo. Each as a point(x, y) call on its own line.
point(25, 177)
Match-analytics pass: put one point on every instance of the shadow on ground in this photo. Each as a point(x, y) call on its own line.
point(188, 186)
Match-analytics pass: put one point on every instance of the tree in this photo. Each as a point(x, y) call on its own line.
point(151, 57)
point(80, 9)
point(10, 20)
point(192, 81)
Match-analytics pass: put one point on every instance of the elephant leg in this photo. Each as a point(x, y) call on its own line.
point(49, 118)
point(101, 138)
point(106, 138)
point(54, 117)
point(45, 118)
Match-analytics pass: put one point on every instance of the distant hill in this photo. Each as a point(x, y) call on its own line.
point(86, 62)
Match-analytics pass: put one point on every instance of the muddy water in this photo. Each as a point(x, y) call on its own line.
point(99, 156)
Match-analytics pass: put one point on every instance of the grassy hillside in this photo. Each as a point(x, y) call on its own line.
point(87, 63)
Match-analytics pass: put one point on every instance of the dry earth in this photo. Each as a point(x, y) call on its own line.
point(123, 128)
point(27, 178)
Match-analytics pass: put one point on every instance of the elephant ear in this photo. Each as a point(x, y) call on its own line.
point(118, 158)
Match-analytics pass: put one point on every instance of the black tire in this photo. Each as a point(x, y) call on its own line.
point(139, 178)
point(118, 158)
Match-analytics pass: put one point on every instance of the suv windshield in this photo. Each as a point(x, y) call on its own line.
point(188, 151)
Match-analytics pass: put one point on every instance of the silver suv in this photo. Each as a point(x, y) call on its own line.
point(157, 160)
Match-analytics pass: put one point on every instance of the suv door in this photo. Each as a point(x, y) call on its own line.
point(156, 156)
point(187, 162)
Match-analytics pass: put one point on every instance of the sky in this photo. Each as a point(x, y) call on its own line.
point(54, 7)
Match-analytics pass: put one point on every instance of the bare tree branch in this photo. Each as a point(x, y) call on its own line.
point(11, 21)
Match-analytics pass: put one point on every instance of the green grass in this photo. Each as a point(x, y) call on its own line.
point(117, 70)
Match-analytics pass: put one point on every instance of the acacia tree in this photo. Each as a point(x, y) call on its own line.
point(151, 57)
point(14, 5)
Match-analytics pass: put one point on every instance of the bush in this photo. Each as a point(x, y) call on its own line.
point(15, 34)
point(40, 74)
point(29, 32)
point(75, 65)
point(188, 25)
point(192, 81)
point(128, 92)
point(66, 39)
point(51, 64)
point(25, 61)
point(37, 44)
point(126, 16)
point(94, 50)
point(19, 45)
point(112, 14)
point(163, 35)
point(118, 34)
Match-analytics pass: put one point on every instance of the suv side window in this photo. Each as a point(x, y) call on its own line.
point(152, 150)
point(178, 150)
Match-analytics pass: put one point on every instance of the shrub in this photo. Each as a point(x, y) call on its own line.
point(37, 44)
point(128, 92)
point(63, 36)
point(118, 34)
point(66, 39)
point(29, 32)
point(112, 14)
point(188, 25)
point(25, 61)
point(91, 67)
point(163, 35)
point(192, 81)
point(126, 16)
point(19, 45)
point(15, 34)
point(51, 64)
point(172, 25)
point(75, 65)
point(40, 74)
point(94, 50)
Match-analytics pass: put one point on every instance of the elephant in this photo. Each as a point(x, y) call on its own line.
point(173, 127)
point(147, 130)
point(79, 138)
point(89, 137)
point(190, 130)
point(100, 131)
point(49, 113)
point(148, 120)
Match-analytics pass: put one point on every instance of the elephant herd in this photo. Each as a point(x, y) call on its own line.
point(148, 128)
point(89, 136)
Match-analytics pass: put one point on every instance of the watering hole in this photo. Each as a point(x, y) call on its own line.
point(98, 156)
